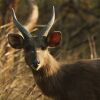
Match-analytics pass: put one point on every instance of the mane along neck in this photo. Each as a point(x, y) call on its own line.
point(51, 65)
point(48, 64)
point(47, 77)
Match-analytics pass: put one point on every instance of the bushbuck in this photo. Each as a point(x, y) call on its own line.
point(76, 81)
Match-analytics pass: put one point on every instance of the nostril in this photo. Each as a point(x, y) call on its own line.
point(38, 62)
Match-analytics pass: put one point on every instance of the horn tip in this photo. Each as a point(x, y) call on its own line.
point(12, 10)
point(53, 8)
point(13, 14)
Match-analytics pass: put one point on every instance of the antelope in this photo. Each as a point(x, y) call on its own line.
point(76, 81)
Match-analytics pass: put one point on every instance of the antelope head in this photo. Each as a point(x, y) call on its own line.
point(35, 46)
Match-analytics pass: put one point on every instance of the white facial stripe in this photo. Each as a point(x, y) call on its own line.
point(40, 57)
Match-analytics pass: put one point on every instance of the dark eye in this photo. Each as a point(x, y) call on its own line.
point(43, 47)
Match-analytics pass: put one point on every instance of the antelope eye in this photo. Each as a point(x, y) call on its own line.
point(43, 48)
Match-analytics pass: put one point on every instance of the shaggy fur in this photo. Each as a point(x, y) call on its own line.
point(78, 81)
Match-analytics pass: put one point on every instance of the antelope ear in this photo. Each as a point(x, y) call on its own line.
point(16, 41)
point(54, 39)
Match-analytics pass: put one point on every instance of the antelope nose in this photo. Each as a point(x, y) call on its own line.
point(35, 64)
point(37, 61)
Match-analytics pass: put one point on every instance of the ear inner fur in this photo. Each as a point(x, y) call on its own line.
point(54, 38)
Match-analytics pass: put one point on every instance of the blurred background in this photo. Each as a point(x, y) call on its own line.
point(79, 22)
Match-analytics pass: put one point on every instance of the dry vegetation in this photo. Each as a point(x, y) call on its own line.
point(79, 21)
point(16, 79)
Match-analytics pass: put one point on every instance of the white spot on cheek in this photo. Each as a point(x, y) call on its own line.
point(39, 66)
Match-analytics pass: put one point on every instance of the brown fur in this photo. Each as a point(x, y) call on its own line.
point(78, 81)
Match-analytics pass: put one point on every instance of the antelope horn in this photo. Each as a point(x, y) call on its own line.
point(46, 30)
point(24, 32)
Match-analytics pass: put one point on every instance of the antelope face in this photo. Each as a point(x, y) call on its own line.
point(35, 46)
